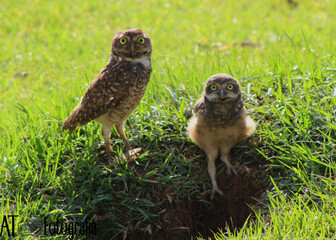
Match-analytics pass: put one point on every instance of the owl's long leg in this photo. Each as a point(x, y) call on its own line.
point(121, 132)
point(129, 151)
point(224, 156)
point(212, 155)
point(107, 135)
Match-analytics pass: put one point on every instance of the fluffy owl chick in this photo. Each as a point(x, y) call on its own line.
point(118, 88)
point(220, 122)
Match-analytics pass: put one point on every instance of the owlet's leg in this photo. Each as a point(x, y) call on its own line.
point(224, 156)
point(212, 155)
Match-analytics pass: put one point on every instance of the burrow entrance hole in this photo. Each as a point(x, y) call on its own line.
point(195, 218)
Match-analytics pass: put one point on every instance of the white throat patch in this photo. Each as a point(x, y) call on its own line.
point(144, 60)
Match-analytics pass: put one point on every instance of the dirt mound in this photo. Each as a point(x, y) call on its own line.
point(200, 217)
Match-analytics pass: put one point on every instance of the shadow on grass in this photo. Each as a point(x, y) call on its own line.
point(180, 208)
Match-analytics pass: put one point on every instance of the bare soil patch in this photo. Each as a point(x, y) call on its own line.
point(199, 216)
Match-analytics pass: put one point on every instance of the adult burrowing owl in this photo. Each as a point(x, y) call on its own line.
point(118, 88)
point(220, 122)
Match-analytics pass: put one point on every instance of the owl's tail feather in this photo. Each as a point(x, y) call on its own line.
point(72, 122)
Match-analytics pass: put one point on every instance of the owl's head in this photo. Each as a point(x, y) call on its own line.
point(131, 44)
point(222, 88)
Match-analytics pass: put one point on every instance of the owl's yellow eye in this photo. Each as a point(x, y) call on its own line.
point(141, 40)
point(229, 87)
point(122, 41)
point(213, 87)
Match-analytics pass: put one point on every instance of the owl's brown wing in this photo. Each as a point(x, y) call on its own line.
point(199, 106)
point(107, 90)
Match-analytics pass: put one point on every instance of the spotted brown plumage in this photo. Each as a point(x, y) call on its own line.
point(118, 88)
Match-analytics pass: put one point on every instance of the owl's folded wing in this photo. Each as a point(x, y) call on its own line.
point(106, 91)
point(199, 106)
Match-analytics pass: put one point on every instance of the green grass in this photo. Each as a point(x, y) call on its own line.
point(51, 50)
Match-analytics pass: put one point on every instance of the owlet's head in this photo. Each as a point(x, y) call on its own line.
point(131, 44)
point(222, 88)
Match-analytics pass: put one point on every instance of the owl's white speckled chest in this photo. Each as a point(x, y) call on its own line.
point(126, 107)
point(134, 91)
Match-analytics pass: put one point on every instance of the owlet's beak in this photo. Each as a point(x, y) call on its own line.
point(132, 48)
point(221, 92)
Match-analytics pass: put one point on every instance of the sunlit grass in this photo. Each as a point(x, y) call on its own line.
point(51, 50)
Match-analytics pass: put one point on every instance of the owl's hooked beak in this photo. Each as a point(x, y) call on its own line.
point(133, 50)
point(221, 93)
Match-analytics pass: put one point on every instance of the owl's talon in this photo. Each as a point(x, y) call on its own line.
point(233, 169)
point(213, 192)
point(130, 155)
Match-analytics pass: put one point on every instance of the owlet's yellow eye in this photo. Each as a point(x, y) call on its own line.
point(122, 41)
point(141, 40)
point(229, 87)
point(213, 87)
